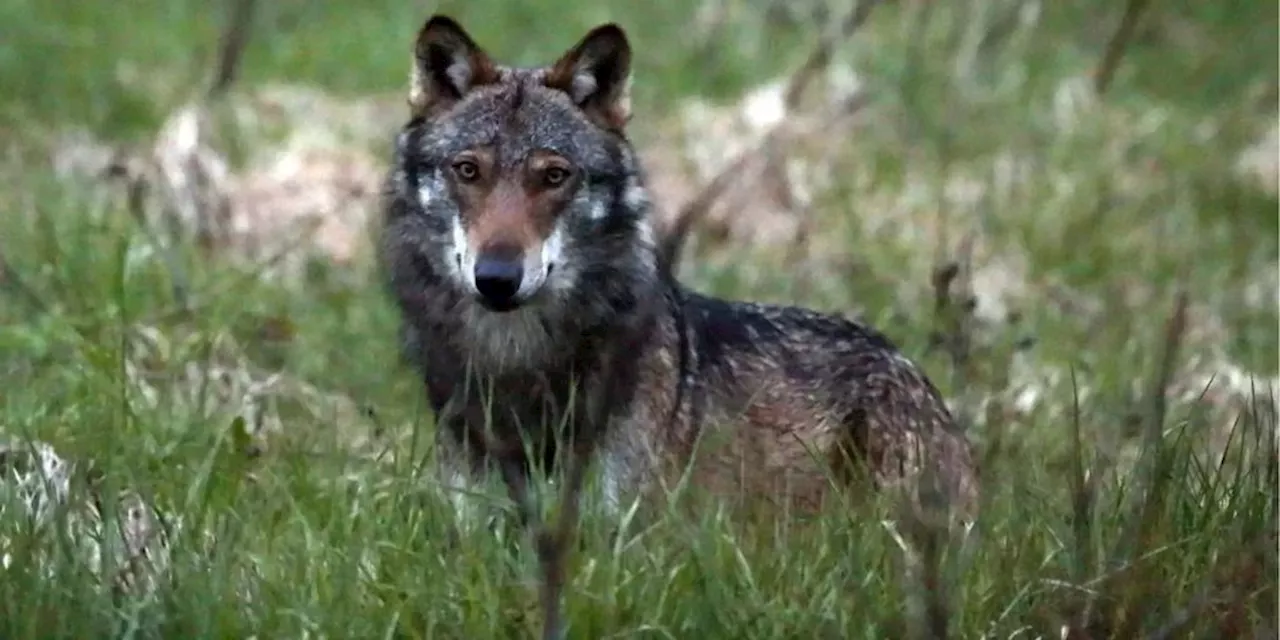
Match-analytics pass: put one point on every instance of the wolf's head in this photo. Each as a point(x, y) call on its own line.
point(515, 193)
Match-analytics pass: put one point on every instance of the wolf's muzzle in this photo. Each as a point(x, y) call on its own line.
point(498, 281)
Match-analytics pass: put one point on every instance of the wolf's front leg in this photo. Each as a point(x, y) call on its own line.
point(464, 483)
point(462, 488)
point(624, 473)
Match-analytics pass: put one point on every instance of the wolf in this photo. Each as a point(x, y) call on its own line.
point(518, 246)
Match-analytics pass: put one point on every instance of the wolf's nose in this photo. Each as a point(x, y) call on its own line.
point(498, 281)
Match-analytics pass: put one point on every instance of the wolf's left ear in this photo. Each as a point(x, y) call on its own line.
point(596, 73)
point(447, 64)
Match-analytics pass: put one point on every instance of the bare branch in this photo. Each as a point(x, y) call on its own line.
point(136, 199)
point(231, 46)
point(821, 55)
point(554, 544)
point(1118, 44)
point(1229, 587)
point(697, 207)
point(13, 283)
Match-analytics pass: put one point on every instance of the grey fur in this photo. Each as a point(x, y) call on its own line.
point(638, 369)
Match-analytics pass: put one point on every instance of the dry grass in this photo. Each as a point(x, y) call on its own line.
point(186, 293)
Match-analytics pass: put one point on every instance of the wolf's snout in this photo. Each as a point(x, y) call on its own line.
point(498, 281)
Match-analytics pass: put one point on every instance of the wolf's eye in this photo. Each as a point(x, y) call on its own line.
point(466, 170)
point(555, 176)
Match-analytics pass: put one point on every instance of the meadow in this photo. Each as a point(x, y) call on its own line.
point(1088, 268)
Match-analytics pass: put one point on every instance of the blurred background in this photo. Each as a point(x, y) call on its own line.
point(1020, 193)
point(1062, 168)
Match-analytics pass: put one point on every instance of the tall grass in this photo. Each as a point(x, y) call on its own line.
point(1118, 504)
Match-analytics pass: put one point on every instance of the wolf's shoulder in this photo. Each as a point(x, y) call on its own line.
point(780, 330)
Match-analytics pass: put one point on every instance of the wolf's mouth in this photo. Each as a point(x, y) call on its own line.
point(499, 306)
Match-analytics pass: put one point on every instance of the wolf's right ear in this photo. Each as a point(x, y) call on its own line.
point(447, 64)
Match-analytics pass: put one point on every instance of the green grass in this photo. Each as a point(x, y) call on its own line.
point(335, 532)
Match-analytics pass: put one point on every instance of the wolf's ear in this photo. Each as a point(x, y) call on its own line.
point(447, 64)
point(596, 73)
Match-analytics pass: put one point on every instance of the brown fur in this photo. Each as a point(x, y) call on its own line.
point(511, 208)
point(602, 356)
point(761, 434)
point(525, 177)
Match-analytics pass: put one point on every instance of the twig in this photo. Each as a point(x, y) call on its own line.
point(1150, 498)
point(13, 283)
point(953, 307)
point(1083, 497)
point(1175, 330)
point(1118, 44)
point(821, 55)
point(554, 544)
point(139, 184)
point(136, 193)
point(697, 207)
point(1231, 584)
point(231, 46)
point(254, 270)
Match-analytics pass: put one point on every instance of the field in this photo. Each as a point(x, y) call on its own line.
point(1088, 269)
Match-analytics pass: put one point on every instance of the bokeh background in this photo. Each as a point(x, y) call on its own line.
point(1067, 212)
